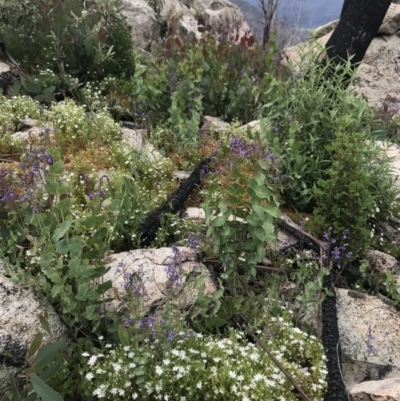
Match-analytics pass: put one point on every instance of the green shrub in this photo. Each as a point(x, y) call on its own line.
point(303, 120)
point(68, 37)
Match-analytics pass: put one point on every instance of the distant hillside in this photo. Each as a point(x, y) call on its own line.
point(253, 16)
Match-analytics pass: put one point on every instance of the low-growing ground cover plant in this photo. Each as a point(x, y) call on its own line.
point(196, 367)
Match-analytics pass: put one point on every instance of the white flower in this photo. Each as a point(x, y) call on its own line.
point(89, 376)
point(85, 354)
point(166, 362)
point(134, 396)
point(232, 374)
point(101, 338)
point(159, 370)
point(92, 360)
point(199, 385)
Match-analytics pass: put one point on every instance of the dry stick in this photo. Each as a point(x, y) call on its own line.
point(216, 260)
point(277, 363)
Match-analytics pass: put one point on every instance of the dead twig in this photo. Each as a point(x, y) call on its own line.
point(277, 363)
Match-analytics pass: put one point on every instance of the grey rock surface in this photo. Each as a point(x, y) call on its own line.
point(19, 323)
point(152, 264)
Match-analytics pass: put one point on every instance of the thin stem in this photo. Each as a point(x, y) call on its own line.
point(277, 363)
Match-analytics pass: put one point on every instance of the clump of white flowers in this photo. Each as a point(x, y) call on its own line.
point(14, 109)
point(207, 368)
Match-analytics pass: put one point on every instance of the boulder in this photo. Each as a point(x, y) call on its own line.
point(142, 21)
point(355, 372)
point(135, 138)
point(382, 262)
point(368, 328)
point(211, 124)
point(391, 22)
point(152, 266)
point(325, 29)
point(29, 135)
point(252, 125)
point(4, 67)
point(19, 323)
point(224, 18)
point(382, 390)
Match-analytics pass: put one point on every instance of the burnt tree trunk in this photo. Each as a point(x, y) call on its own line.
point(359, 23)
point(149, 227)
point(330, 339)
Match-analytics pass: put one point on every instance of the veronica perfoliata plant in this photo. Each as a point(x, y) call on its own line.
point(242, 203)
point(196, 367)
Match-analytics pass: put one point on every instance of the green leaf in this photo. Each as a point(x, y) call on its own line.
point(35, 344)
point(123, 335)
point(61, 231)
point(32, 87)
point(139, 371)
point(64, 205)
point(219, 221)
point(94, 221)
point(45, 324)
point(71, 245)
point(74, 265)
point(75, 7)
point(16, 87)
point(273, 210)
point(48, 353)
point(57, 168)
point(98, 236)
point(45, 392)
point(104, 287)
point(48, 372)
point(14, 390)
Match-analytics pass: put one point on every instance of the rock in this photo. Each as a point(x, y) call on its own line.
point(135, 139)
point(181, 175)
point(224, 18)
point(392, 152)
point(19, 323)
point(4, 67)
point(283, 241)
point(390, 231)
point(325, 29)
point(141, 19)
point(253, 125)
point(153, 264)
point(216, 124)
point(382, 390)
point(391, 22)
point(30, 135)
point(194, 213)
point(26, 123)
point(355, 372)
point(368, 328)
point(382, 262)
